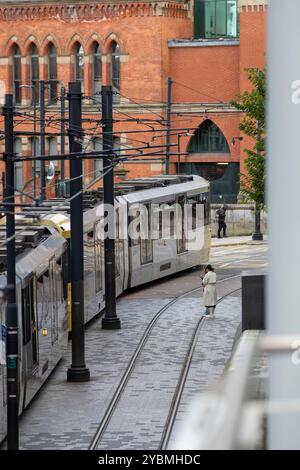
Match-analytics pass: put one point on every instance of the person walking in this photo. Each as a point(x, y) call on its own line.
point(209, 282)
point(222, 224)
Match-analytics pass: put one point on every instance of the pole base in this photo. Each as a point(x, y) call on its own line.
point(111, 323)
point(257, 236)
point(78, 374)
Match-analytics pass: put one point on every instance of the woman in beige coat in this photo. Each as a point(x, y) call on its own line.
point(209, 283)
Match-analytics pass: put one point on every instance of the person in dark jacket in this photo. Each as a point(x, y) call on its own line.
point(222, 224)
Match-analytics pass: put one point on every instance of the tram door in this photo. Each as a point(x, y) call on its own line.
point(30, 340)
point(2, 371)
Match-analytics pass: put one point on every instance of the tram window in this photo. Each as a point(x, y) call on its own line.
point(166, 220)
point(192, 212)
point(181, 238)
point(146, 239)
point(134, 229)
point(97, 251)
point(27, 312)
point(160, 225)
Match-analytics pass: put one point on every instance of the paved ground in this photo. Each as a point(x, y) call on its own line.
point(65, 415)
point(243, 240)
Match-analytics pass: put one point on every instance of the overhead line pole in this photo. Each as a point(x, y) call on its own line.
point(42, 142)
point(77, 372)
point(62, 137)
point(110, 320)
point(11, 308)
point(168, 124)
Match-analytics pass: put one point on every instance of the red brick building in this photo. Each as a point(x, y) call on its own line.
point(204, 46)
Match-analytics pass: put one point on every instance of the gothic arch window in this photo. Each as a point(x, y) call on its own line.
point(115, 70)
point(97, 71)
point(34, 74)
point(79, 65)
point(208, 138)
point(17, 74)
point(52, 73)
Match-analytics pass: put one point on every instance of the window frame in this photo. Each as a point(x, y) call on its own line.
point(17, 74)
point(115, 71)
point(78, 66)
point(34, 75)
point(52, 74)
point(202, 17)
point(96, 77)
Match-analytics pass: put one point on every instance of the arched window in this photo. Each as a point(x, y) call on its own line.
point(208, 139)
point(97, 71)
point(52, 73)
point(79, 65)
point(17, 75)
point(34, 74)
point(115, 70)
point(98, 162)
point(18, 165)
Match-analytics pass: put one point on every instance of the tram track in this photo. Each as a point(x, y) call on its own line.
point(134, 359)
point(182, 379)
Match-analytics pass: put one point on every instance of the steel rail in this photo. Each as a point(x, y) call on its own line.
point(182, 380)
point(121, 386)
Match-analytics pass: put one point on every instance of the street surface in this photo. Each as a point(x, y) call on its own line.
point(66, 415)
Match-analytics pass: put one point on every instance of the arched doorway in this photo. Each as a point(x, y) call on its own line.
point(208, 141)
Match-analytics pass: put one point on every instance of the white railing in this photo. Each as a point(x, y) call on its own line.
point(228, 417)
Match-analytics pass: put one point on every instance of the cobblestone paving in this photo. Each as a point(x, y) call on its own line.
point(66, 415)
point(211, 354)
point(139, 419)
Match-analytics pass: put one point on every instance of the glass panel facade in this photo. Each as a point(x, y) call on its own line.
point(208, 139)
point(52, 73)
point(216, 19)
point(17, 75)
point(34, 74)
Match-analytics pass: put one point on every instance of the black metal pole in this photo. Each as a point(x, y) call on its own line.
point(77, 372)
point(110, 320)
point(11, 309)
point(168, 124)
point(178, 163)
point(62, 141)
point(42, 141)
point(257, 235)
point(34, 141)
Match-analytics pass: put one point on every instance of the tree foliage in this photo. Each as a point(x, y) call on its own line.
point(252, 103)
